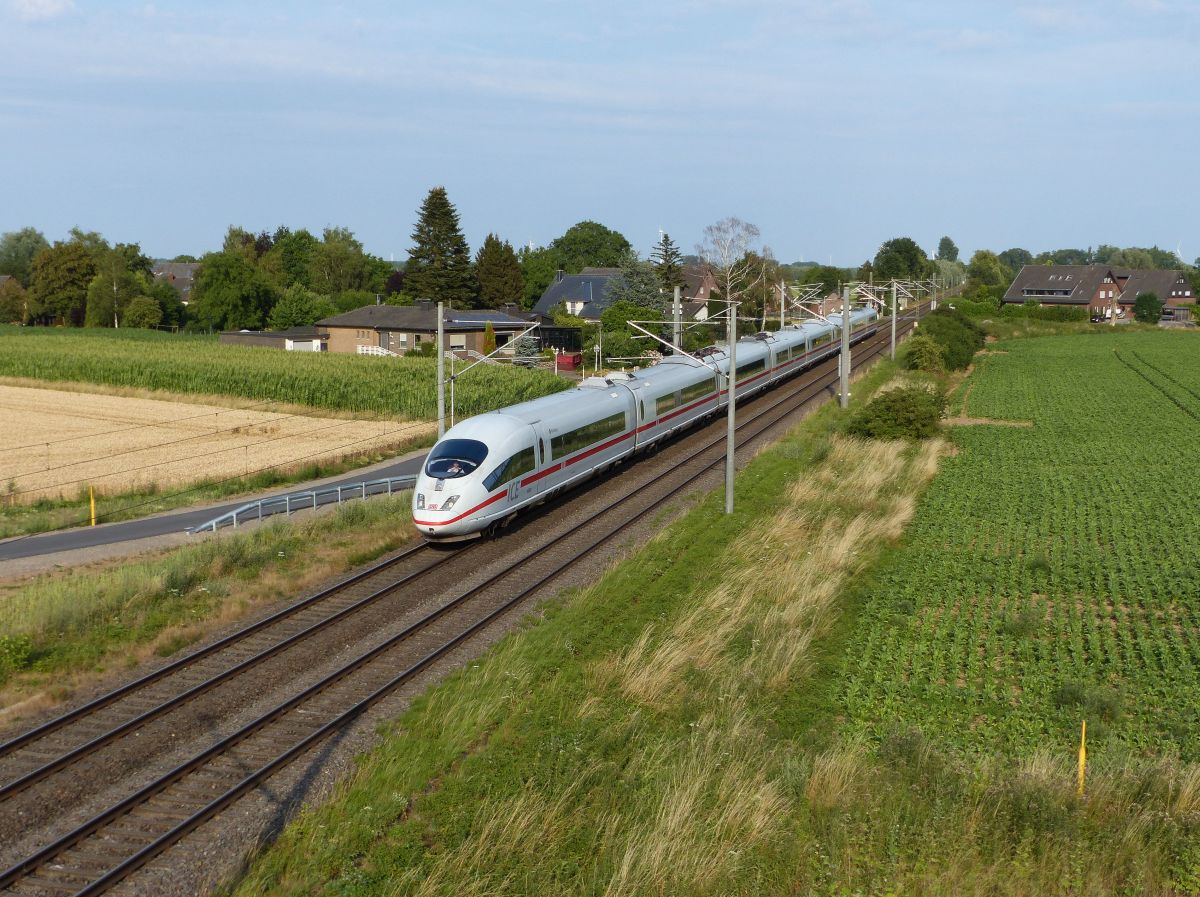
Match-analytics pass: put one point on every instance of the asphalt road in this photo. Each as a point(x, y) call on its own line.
point(175, 521)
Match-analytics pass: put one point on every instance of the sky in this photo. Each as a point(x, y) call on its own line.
point(832, 125)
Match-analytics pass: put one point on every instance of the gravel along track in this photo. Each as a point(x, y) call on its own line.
point(185, 743)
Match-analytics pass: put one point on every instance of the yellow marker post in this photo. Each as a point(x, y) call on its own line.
point(92, 501)
point(1082, 757)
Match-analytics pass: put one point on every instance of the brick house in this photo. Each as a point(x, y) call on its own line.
point(1096, 286)
point(399, 329)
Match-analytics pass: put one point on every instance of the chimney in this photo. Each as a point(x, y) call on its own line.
point(424, 304)
point(558, 275)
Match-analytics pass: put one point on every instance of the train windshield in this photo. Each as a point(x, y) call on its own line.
point(452, 458)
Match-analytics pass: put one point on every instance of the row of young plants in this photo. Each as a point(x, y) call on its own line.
point(1048, 576)
point(392, 387)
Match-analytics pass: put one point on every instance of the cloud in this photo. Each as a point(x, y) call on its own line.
point(40, 10)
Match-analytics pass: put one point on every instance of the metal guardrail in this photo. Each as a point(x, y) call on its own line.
point(301, 501)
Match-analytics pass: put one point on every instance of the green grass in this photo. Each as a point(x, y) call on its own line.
point(772, 705)
point(191, 364)
point(62, 625)
point(52, 514)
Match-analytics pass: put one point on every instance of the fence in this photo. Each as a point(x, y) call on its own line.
point(301, 501)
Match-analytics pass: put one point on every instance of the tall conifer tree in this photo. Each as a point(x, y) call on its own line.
point(439, 264)
point(499, 273)
point(668, 263)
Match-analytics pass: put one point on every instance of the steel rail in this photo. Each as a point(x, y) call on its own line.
point(66, 759)
point(25, 867)
point(175, 666)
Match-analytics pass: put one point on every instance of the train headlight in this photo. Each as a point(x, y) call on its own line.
point(420, 501)
point(449, 503)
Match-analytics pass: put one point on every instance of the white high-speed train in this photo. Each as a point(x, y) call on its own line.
point(487, 468)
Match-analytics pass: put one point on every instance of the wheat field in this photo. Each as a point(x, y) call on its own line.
point(56, 443)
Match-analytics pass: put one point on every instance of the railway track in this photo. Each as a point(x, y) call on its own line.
point(118, 840)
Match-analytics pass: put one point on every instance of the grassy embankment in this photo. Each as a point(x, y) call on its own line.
point(805, 702)
point(150, 364)
point(63, 629)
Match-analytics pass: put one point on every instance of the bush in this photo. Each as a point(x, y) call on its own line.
point(1034, 312)
point(957, 334)
point(909, 412)
point(1147, 308)
point(923, 353)
point(143, 311)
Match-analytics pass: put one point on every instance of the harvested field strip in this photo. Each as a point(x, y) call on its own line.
point(394, 387)
point(174, 444)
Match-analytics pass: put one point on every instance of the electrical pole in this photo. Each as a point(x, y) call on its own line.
point(844, 361)
point(441, 370)
point(895, 312)
point(730, 408)
point(677, 317)
point(782, 302)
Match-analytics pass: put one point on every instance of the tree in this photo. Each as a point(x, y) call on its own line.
point(489, 338)
point(174, 312)
point(92, 241)
point(143, 311)
point(829, 277)
point(230, 294)
point(110, 292)
point(637, 284)
point(17, 249)
point(758, 286)
point(901, 258)
point(615, 317)
point(439, 263)
point(538, 266)
point(947, 251)
point(337, 264)
point(134, 260)
point(14, 302)
point(589, 244)
point(498, 273)
point(668, 263)
point(299, 307)
point(59, 281)
point(987, 276)
point(292, 252)
point(726, 249)
point(1147, 308)
point(1137, 259)
point(1016, 259)
point(394, 283)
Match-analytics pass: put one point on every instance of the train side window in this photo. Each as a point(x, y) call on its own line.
point(697, 390)
point(574, 440)
point(520, 463)
point(666, 403)
point(750, 368)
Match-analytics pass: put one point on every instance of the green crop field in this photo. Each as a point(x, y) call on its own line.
point(1051, 572)
point(400, 387)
